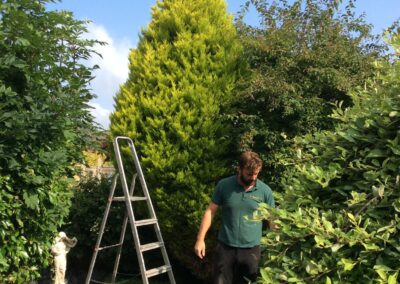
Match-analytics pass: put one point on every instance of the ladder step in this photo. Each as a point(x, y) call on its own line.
point(132, 198)
point(158, 270)
point(146, 222)
point(99, 282)
point(150, 246)
point(110, 246)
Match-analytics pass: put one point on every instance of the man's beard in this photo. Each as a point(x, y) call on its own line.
point(246, 182)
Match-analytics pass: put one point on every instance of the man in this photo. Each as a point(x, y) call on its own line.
point(237, 253)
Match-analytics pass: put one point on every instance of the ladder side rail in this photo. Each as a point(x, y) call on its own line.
point(164, 253)
point(129, 205)
point(141, 179)
point(122, 236)
point(151, 208)
point(101, 231)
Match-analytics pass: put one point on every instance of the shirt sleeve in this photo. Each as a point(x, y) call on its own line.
point(217, 195)
point(270, 199)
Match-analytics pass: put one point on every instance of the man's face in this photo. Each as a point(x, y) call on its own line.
point(248, 177)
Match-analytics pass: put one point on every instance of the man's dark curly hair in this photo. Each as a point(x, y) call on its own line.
point(250, 161)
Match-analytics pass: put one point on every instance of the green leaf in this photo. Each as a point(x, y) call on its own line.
point(22, 42)
point(264, 274)
point(38, 180)
point(371, 247)
point(336, 247)
point(376, 153)
point(381, 273)
point(319, 240)
point(31, 200)
point(351, 217)
point(312, 268)
point(13, 164)
point(24, 254)
point(19, 221)
point(393, 278)
point(382, 267)
point(378, 191)
point(347, 264)
point(396, 204)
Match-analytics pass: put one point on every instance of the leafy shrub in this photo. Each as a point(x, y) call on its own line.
point(339, 213)
point(43, 103)
point(303, 56)
point(86, 214)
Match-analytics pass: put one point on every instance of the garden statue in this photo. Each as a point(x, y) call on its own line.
point(60, 248)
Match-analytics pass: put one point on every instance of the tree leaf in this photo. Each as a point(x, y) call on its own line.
point(31, 200)
point(393, 278)
point(347, 264)
point(376, 153)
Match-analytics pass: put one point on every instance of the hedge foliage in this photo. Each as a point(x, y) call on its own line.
point(303, 56)
point(339, 212)
point(43, 111)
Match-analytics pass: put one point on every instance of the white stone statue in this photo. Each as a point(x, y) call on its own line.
point(60, 248)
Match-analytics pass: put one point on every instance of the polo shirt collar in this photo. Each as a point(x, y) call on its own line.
point(241, 186)
point(254, 188)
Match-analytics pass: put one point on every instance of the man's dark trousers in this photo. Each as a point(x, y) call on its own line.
point(233, 265)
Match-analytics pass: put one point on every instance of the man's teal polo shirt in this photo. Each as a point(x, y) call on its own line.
point(236, 203)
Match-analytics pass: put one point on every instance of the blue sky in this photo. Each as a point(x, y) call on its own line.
point(118, 22)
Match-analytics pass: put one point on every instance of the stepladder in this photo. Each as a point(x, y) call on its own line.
point(129, 168)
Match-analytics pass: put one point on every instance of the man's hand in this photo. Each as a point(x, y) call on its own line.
point(273, 226)
point(200, 249)
point(200, 246)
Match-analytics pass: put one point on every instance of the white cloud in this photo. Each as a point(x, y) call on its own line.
point(101, 114)
point(112, 73)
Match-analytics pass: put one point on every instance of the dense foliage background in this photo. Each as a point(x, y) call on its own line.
point(43, 103)
point(303, 56)
point(339, 212)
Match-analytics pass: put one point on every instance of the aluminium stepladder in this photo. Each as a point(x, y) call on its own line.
point(129, 198)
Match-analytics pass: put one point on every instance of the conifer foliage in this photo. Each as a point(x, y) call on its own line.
point(181, 77)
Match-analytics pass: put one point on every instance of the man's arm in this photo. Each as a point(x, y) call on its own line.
point(200, 246)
